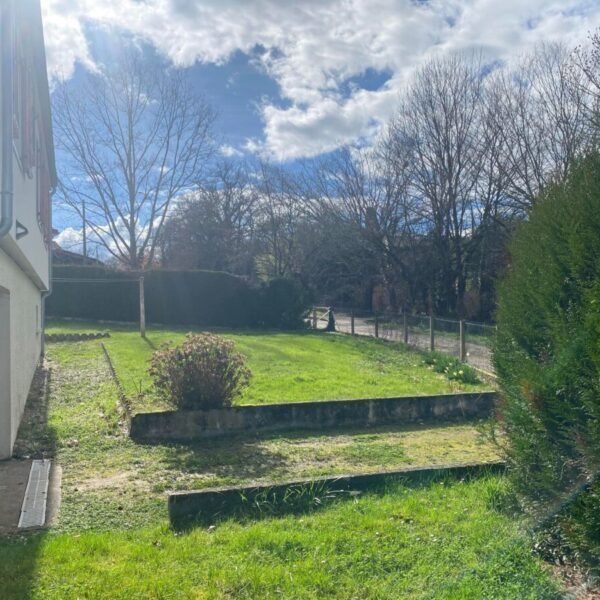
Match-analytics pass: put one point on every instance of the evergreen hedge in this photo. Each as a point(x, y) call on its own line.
point(202, 298)
point(547, 354)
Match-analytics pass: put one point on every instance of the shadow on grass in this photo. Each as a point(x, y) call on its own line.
point(229, 460)
point(19, 556)
point(268, 346)
point(150, 343)
point(232, 458)
point(240, 439)
point(36, 439)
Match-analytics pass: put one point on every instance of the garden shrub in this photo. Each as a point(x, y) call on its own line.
point(451, 367)
point(547, 352)
point(283, 304)
point(201, 373)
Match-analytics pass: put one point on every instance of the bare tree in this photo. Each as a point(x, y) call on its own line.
point(586, 75)
point(214, 226)
point(540, 115)
point(437, 128)
point(131, 139)
point(492, 216)
point(362, 196)
point(281, 213)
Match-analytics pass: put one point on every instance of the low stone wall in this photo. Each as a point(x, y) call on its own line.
point(207, 506)
point(187, 426)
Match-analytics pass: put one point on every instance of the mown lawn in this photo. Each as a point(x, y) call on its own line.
point(286, 367)
point(442, 539)
point(109, 480)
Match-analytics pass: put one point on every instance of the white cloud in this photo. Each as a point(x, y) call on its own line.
point(70, 239)
point(313, 46)
point(101, 244)
point(227, 150)
point(65, 39)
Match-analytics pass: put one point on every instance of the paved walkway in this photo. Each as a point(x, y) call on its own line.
point(14, 475)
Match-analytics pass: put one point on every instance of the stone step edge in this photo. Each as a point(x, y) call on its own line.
point(211, 503)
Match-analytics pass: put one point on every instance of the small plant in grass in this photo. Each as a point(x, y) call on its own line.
point(203, 372)
point(293, 499)
point(451, 367)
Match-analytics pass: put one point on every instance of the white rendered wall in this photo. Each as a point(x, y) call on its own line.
point(30, 251)
point(20, 346)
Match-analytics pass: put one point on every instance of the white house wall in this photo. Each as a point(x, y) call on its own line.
point(24, 277)
point(30, 251)
point(20, 346)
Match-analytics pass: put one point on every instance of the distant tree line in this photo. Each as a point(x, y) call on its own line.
point(418, 221)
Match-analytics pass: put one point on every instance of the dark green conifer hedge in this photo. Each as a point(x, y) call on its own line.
point(547, 354)
point(203, 298)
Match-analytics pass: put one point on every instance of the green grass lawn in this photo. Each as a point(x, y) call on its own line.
point(443, 539)
point(107, 475)
point(286, 367)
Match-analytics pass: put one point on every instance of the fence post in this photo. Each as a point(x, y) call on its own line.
point(463, 346)
point(142, 308)
point(431, 334)
point(376, 325)
point(314, 318)
point(405, 324)
point(352, 322)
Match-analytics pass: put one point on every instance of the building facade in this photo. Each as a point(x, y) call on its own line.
point(27, 178)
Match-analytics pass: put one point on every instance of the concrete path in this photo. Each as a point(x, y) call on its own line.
point(14, 476)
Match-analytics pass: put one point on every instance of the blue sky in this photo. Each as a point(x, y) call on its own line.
point(294, 80)
point(236, 90)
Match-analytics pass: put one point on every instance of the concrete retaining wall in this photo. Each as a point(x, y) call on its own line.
point(206, 506)
point(186, 426)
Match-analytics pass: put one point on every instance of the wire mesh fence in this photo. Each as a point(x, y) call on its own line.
point(466, 340)
point(479, 339)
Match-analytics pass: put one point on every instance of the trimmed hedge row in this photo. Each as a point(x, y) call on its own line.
point(205, 298)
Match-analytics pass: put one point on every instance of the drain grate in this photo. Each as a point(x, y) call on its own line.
point(33, 511)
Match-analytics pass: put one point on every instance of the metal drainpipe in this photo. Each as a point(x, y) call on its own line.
point(6, 202)
point(49, 291)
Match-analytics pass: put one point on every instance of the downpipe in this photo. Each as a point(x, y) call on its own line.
point(6, 201)
point(47, 292)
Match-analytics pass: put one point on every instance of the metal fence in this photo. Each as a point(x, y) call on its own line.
point(468, 341)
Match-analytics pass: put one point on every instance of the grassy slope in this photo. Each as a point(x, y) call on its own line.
point(106, 474)
point(442, 540)
point(439, 541)
point(289, 367)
